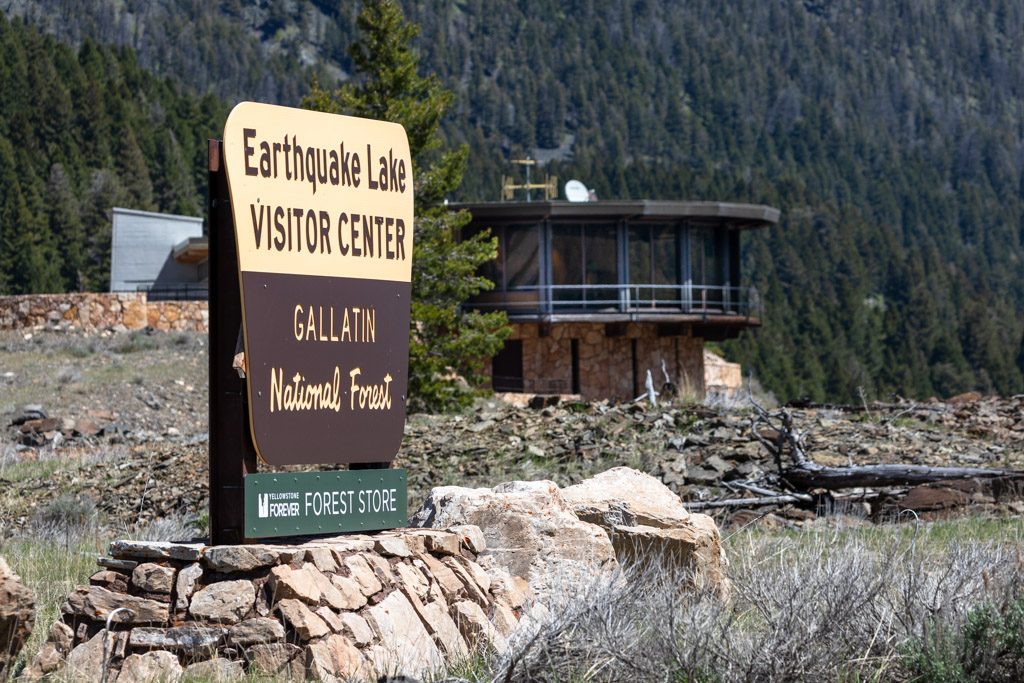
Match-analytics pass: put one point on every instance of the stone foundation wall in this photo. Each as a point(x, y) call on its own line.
point(395, 602)
point(94, 312)
point(606, 365)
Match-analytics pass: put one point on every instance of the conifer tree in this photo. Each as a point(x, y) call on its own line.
point(444, 340)
point(65, 219)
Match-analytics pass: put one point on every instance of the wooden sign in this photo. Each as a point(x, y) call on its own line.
point(323, 220)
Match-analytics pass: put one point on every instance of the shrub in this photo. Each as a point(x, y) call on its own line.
point(135, 342)
point(989, 646)
point(804, 607)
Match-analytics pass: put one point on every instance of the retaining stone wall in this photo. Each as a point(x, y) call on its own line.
point(96, 311)
point(362, 606)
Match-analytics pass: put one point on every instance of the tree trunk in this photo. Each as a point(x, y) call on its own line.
point(808, 475)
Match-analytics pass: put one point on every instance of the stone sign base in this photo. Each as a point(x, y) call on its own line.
point(395, 602)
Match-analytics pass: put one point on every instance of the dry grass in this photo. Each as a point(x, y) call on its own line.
point(830, 605)
point(889, 603)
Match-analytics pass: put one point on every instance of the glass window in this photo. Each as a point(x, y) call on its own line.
point(566, 261)
point(640, 254)
point(653, 264)
point(522, 256)
point(707, 265)
point(584, 255)
point(665, 262)
point(602, 267)
point(517, 264)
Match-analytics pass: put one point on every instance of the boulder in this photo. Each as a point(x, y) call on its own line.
point(694, 548)
point(646, 498)
point(651, 524)
point(17, 616)
point(528, 527)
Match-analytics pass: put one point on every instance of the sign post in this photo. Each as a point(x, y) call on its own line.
point(231, 455)
point(322, 214)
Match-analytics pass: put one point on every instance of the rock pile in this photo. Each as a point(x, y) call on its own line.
point(17, 616)
point(32, 426)
point(709, 453)
point(557, 537)
point(401, 602)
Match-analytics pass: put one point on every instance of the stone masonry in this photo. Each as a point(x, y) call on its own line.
point(396, 602)
point(606, 363)
point(94, 312)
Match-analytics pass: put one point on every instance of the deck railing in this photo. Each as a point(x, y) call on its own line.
point(175, 292)
point(668, 300)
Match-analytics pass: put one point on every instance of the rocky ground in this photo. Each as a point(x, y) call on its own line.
point(116, 426)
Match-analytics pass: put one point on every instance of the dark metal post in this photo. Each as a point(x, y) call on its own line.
point(232, 454)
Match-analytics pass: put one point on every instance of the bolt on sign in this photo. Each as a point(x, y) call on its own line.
point(323, 216)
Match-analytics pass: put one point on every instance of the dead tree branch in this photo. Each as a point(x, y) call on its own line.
point(778, 434)
point(759, 501)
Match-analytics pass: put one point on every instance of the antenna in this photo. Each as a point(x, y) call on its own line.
point(575, 191)
point(509, 187)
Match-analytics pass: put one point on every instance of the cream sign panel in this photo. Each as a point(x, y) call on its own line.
point(323, 214)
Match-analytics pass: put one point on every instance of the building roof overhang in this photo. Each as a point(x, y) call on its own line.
point(191, 250)
point(739, 216)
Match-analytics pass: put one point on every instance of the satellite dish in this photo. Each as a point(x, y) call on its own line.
point(575, 191)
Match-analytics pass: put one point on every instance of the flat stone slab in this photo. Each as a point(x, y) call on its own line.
point(96, 603)
point(189, 638)
point(155, 550)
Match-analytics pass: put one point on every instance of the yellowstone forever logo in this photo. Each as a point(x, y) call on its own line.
point(323, 215)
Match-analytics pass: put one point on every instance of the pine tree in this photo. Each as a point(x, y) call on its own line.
point(65, 220)
point(444, 341)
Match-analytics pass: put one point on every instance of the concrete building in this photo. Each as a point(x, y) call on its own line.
point(599, 293)
point(159, 253)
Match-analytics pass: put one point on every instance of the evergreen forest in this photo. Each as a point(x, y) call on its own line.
point(890, 134)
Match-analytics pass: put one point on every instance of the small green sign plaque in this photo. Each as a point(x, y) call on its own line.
point(299, 503)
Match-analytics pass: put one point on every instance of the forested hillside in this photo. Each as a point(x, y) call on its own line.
point(82, 131)
point(890, 135)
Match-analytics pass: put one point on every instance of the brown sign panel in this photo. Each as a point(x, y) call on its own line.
point(323, 214)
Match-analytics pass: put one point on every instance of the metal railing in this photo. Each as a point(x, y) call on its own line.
point(176, 292)
point(703, 300)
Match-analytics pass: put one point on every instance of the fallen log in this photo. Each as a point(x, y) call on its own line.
point(809, 475)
